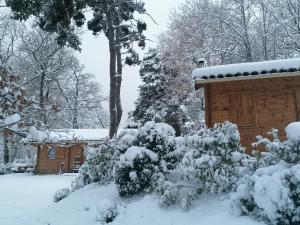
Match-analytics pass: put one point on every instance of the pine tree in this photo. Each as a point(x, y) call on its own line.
point(152, 92)
point(156, 101)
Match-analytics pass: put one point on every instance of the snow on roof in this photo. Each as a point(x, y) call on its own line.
point(66, 135)
point(253, 69)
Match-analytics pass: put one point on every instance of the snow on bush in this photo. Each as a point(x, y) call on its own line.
point(159, 138)
point(133, 173)
point(108, 215)
point(5, 169)
point(100, 160)
point(272, 193)
point(98, 166)
point(61, 194)
point(213, 162)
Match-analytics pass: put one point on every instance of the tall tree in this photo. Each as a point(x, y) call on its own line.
point(115, 18)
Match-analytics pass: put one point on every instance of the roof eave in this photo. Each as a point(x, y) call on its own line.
point(249, 77)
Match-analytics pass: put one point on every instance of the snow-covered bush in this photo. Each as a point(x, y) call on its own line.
point(61, 194)
point(5, 169)
point(108, 215)
point(160, 139)
point(272, 193)
point(213, 162)
point(276, 151)
point(101, 159)
point(98, 166)
point(134, 171)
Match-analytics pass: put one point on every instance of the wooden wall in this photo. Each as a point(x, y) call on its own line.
point(64, 156)
point(255, 106)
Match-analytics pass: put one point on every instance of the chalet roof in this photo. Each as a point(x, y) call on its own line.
point(246, 71)
point(66, 135)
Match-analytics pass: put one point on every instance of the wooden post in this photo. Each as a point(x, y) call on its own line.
point(207, 94)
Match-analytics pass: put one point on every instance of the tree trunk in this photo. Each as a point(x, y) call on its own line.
point(75, 110)
point(43, 117)
point(118, 81)
point(112, 73)
point(6, 150)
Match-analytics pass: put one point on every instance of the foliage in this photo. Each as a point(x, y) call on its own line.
point(134, 171)
point(108, 215)
point(213, 162)
point(159, 138)
point(272, 192)
point(98, 166)
point(61, 194)
point(161, 98)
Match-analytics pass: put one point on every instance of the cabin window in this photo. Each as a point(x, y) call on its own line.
point(242, 109)
point(77, 158)
point(52, 152)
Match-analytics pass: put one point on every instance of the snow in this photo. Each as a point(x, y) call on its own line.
point(161, 128)
point(293, 130)
point(13, 119)
point(67, 135)
point(24, 195)
point(137, 152)
point(236, 156)
point(27, 199)
point(200, 73)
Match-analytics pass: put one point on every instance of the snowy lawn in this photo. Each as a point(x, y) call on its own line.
point(23, 196)
point(27, 200)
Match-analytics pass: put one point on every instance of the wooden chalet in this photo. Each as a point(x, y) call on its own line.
point(256, 96)
point(62, 151)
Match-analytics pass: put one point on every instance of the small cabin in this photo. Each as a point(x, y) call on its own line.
point(256, 96)
point(62, 151)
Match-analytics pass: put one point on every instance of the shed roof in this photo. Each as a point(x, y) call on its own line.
point(66, 135)
point(245, 71)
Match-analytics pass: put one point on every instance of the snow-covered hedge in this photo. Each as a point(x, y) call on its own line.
point(272, 193)
point(134, 171)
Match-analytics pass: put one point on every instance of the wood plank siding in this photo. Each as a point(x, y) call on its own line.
point(255, 105)
point(66, 157)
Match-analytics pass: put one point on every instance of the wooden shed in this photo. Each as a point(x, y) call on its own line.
point(62, 151)
point(256, 96)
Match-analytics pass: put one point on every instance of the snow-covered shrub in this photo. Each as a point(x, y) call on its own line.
point(134, 171)
point(101, 159)
point(160, 139)
point(82, 178)
point(214, 160)
point(272, 193)
point(172, 193)
point(5, 169)
point(98, 166)
point(108, 215)
point(61, 194)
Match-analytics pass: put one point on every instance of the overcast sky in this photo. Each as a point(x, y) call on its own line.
point(94, 53)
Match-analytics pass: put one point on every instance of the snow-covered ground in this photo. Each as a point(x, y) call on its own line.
point(27, 200)
point(24, 196)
